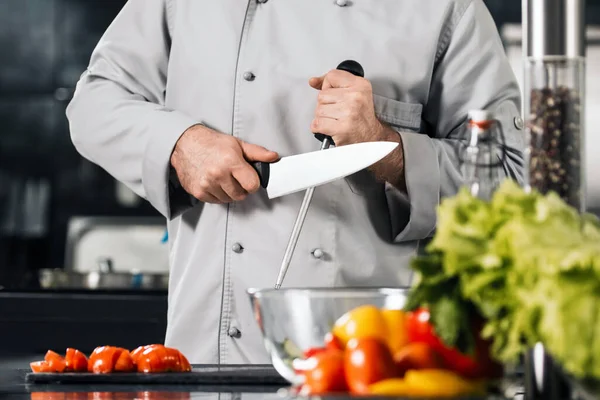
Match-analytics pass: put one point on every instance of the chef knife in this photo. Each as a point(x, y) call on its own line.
point(298, 172)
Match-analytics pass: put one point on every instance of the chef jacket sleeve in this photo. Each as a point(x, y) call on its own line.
point(117, 115)
point(471, 72)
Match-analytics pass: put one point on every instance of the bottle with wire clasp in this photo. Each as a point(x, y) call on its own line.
point(482, 159)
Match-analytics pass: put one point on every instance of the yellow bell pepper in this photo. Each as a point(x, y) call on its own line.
point(427, 383)
point(396, 327)
point(362, 322)
point(440, 382)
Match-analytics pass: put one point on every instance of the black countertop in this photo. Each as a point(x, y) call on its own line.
point(14, 386)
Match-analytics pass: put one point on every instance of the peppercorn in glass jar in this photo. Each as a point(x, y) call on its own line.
point(554, 113)
point(554, 98)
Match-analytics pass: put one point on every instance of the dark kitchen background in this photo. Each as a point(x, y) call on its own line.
point(63, 219)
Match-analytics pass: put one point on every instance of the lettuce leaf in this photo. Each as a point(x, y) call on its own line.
point(526, 262)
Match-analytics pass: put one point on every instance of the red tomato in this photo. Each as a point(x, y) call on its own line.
point(161, 396)
point(135, 353)
point(48, 396)
point(420, 330)
point(313, 351)
point(333, 342)
point(185, 365)
point(55, 361)
point(77, 396)
point(367, 360)
point(417, 356)
point(161, 359)
point(124, 362)
point(40, 366)
point(100, 396)
point(76, 361)
point(103, 359)
point(327, 373)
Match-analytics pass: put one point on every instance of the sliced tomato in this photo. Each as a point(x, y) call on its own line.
point(173, 361)
point(100, 396)
point(76, 361)
point(56, 362)
point(135, 353)
point(124, 362)
point(161, 359)
point(185, 364)
point(40, 366)
point(162, 396)
point(77, 396)
point(48, 396)
point(152, 359)
point(103, 359)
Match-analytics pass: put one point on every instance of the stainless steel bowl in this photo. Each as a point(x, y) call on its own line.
point(294, 320)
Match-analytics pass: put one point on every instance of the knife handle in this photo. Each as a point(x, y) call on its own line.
point(263, 170)
point(354, 68)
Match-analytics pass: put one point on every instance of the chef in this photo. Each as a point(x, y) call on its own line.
point(180, 95)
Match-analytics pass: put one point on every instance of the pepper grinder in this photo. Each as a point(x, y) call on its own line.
point(553, 107)
point(554, 97)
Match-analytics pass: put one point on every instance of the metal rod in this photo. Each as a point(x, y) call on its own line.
point(289, 251)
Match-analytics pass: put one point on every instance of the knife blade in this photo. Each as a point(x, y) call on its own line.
point(298, 172)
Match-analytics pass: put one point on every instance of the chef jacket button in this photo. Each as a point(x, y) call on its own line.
point(237, 248)
point(317, 253)
point(234, 332)
point(341, 3)
point(518, 123)
point(249, 76)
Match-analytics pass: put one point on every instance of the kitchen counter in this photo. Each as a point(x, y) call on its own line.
point(13, 387)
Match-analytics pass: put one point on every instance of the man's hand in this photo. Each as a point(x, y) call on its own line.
point(213, 167)
point(345, 111)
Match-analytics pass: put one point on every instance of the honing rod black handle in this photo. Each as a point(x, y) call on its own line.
point(354, 68)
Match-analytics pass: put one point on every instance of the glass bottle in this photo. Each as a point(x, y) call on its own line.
point(482, 159)
point(554, 98)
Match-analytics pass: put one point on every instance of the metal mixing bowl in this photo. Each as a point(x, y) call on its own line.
point(294, 320)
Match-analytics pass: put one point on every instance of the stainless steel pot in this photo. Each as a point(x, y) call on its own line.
point(104, 278)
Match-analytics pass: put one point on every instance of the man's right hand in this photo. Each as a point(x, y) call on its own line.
point(213, 167)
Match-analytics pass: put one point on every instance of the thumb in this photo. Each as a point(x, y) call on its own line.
point(253, 152)
point(316, 82)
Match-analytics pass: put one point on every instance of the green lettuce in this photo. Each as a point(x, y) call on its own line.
point(528, 263)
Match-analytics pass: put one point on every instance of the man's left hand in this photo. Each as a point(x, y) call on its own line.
point(345, 111)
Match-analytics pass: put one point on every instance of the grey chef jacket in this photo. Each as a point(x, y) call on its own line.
point(242, 67)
